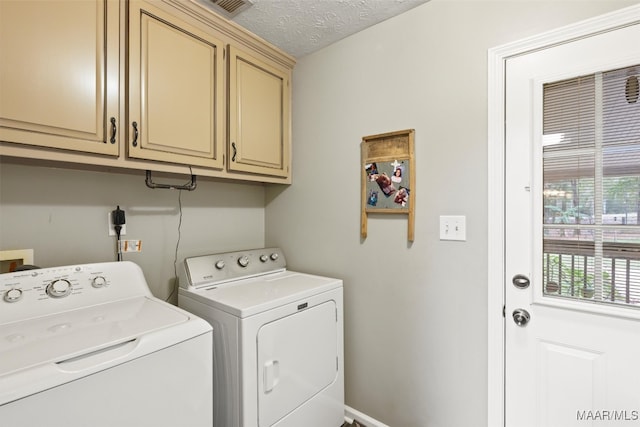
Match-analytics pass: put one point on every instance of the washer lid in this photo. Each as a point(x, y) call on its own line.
point(60, 337)
point(246, 297)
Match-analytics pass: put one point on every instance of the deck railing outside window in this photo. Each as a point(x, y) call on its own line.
point(570, 272)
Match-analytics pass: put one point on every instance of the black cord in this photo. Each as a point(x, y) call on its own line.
point(118, 219)
point(118, 229)
point(175, 256)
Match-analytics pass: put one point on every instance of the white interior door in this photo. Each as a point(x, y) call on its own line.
point(572, 325)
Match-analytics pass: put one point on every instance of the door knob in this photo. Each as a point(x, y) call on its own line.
point(521, 317)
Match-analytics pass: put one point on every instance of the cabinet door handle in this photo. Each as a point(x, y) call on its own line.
point(135, 133)
point(114, 129)
point(233, 145)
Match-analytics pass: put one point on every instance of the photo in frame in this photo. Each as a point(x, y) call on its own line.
point(388, 181)
point(388, 185)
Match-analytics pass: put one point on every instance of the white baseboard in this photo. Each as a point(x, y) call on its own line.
point(351, 414)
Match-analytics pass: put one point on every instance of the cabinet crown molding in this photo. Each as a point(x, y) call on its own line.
point(233, 31)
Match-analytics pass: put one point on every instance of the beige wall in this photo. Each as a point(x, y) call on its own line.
point(415, 314)
point(62, 214)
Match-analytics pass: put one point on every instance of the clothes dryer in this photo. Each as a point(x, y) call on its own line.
point(278, 339)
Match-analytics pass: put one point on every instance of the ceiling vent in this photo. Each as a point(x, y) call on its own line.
point(229, 8)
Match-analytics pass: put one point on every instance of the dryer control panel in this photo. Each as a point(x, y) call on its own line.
point(214, 269)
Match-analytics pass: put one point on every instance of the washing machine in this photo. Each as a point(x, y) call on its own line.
point(278, 338)
point(89, 345)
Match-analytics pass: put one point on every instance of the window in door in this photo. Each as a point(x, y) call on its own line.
point(591, 188)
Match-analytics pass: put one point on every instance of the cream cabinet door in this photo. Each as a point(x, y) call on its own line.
point(259, 115)
point(176, 97)
point(59, 68)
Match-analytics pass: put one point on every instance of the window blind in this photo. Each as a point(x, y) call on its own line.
point(591, 187)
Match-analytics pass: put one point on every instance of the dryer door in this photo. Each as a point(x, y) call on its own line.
point(297, 358)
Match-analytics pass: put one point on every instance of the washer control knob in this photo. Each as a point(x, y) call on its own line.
point(59, 288)
point(274, 256)
point(220, 265)
point(13, 295)
point(264, 258)
point(99, 282)
point(243, 261)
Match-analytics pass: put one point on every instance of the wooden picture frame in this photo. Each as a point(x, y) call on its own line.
point(12, 259)
point(388, 177)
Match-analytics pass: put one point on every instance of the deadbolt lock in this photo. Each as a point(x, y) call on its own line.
point(520, 281)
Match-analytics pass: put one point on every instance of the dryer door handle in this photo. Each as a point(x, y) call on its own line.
point(271, 375)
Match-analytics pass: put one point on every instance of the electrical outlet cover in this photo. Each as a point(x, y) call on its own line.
point(112, 229)
point(131, 246)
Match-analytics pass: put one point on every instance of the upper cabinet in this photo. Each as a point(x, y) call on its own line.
point(59, 69)
point(176, 95)
point(161, 85)
point(259, 114)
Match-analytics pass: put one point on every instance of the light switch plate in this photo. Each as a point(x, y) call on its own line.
point(453, 227)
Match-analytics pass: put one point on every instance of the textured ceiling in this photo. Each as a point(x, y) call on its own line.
point(300, 27)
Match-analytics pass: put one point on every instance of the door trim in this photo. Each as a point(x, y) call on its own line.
point(497, 58)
